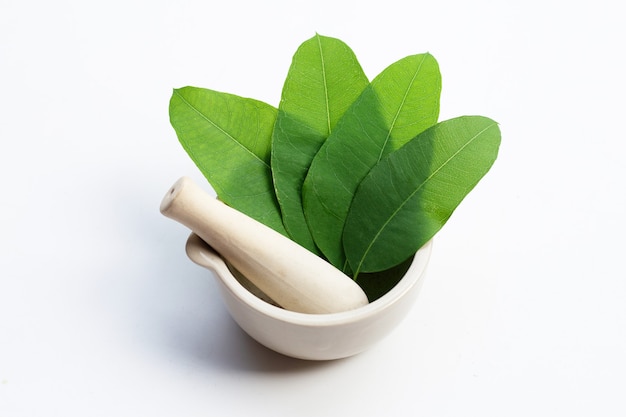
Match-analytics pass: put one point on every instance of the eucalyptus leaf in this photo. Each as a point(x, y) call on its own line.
point(324, 79)
point(229, 138)
point(377, 284)
point(411, 193)
point(400, 103)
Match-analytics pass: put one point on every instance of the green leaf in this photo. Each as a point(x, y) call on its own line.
point(377, 284)
point(229, 138)
point(411, 193)
point(400, 103)
point(324, 79)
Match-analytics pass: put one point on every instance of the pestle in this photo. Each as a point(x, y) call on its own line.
point(292, 276)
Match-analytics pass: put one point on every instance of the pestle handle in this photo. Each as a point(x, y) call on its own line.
point(297, 279)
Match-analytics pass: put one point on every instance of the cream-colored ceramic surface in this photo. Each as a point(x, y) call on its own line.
point(313, 336)
point(295, 278)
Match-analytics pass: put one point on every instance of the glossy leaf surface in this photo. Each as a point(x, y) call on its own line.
point(229, 138)
point(412, 192)
point(324, 79)
point(400, 103)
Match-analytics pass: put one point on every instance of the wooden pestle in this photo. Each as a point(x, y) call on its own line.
point(295, 278)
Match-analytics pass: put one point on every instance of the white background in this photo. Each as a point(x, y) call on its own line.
point(523, 310)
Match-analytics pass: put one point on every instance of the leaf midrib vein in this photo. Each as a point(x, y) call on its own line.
point(395, 118)
point(324, 83)
point(219, 128)
point(406, 200)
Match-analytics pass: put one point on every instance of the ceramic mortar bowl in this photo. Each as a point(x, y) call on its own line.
point(312, 336)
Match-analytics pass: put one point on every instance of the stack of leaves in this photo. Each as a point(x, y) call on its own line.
point(358, 172)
